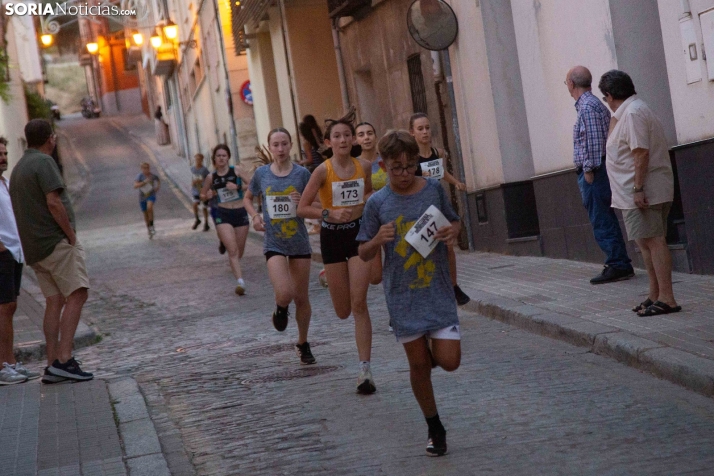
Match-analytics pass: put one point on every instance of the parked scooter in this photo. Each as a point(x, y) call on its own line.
point(89, 108)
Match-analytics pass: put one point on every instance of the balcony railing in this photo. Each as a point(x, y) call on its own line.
point(346, 8)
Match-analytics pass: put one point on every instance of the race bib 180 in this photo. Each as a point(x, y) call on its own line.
point(422, 235)
point(226, 195)
point(280, 207)
point(433, 169)
point(348, 193)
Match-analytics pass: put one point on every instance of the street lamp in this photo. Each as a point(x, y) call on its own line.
point(46, 39)
point(138, 39)
point(171, 30)
point(93, 48)
point(156, 41)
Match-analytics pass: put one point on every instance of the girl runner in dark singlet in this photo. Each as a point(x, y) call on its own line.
point(231, 218)
point(343, 184)
point(432, 163)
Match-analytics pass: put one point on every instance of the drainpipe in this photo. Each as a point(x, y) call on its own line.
point(459, 162)
point(229, 96)
point(686, 10)
point(340, 66)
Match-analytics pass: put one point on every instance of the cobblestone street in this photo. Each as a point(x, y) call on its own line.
point(228, 396)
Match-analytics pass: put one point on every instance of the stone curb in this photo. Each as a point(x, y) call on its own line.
point(687, 370)
point(140, 442)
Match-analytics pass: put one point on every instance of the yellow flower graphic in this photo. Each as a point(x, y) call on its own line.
point(425, 268)
point(287, 228)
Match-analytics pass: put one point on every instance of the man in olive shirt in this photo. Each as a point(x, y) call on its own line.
point(45, 220)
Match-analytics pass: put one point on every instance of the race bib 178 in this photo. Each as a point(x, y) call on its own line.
point(433, 169)
point(348, 193)
point(422, 235)
point(226, 195)
point(280, 207)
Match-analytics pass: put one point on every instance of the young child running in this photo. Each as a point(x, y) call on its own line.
point(198, 175)
point(432, 164)
point(343, 183)
point(231, 218)
point(413, 219)
point(148, 185)
point(286, 244)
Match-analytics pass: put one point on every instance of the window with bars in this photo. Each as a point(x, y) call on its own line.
point(416, 83)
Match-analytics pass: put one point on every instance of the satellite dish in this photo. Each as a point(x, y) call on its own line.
point(432, 24)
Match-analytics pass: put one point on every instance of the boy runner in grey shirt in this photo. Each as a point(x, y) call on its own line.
point(198, 176)
point(413, 220)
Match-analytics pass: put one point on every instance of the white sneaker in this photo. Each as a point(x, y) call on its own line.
point(240, 287)
point(365, 382)
point(8, 376)
point(22, 370)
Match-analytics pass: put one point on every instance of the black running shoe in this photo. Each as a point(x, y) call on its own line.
point(611, 275)
point(221, 248)
point(280, 319)
point(70, 370)
point(461, 297)
point(436, 444)
point(195, 224)
point(303, 351)
point(49, 379)
point(206, 227)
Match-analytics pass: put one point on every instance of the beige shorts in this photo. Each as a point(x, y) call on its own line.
point(62, 272)
point(647, 222)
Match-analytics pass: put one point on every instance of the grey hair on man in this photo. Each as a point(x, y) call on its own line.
point(581, 77)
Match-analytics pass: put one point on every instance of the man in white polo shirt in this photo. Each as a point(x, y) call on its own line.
point(642, 183)
point(11, 260)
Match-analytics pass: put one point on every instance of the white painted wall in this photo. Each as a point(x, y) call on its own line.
point(551, 41)
point(693, 104)
point(475, 106)
point(256, 56)
point(13, 114)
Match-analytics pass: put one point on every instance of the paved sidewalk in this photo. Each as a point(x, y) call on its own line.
point(64, 429)
point(554, 298)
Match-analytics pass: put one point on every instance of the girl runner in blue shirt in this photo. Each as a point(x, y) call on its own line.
point(286, 244)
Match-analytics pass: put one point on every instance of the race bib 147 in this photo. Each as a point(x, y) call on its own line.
point(422, 235)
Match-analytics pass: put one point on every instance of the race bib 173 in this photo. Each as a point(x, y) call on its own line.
point(348, 193)
point(280, 207)
point(422, 235)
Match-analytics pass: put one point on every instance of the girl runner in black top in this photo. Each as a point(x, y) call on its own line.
point(420, 128)
point(231, 218)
